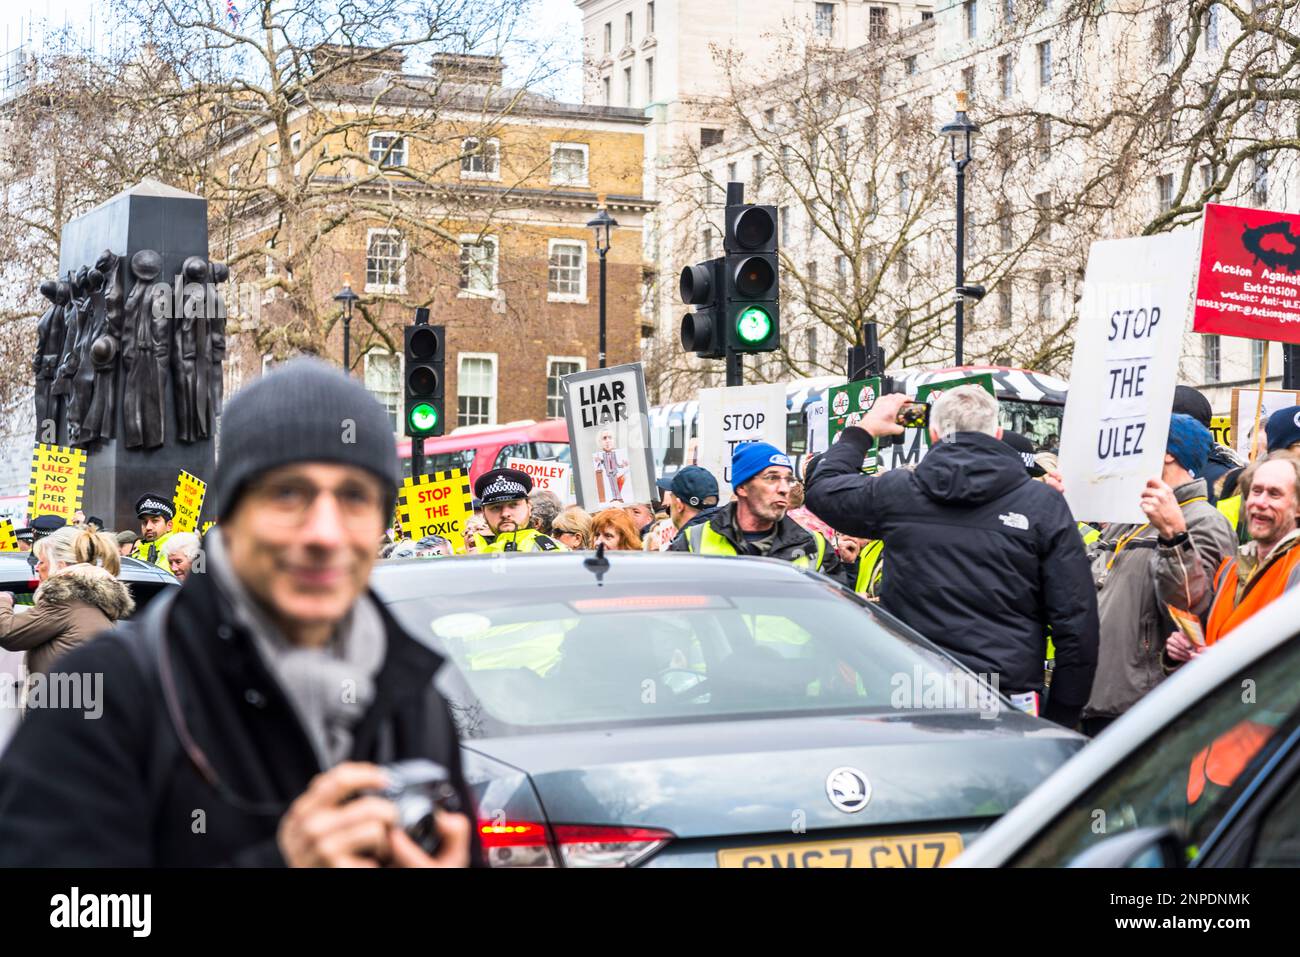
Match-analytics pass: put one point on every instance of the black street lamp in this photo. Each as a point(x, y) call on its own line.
point(603, 224)
point(960, 132)
point(347, 297)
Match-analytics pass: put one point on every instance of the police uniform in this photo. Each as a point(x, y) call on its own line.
point(496, 487)
point(152, 552)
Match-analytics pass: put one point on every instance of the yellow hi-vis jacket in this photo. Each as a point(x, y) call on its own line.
point(524, 540)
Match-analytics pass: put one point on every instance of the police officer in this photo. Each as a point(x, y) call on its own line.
point(754, 521)
point(44, 525)
point(504, 494)
point(155, 514)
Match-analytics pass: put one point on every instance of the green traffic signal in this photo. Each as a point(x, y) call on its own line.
point(423, 418)
point(753, 325)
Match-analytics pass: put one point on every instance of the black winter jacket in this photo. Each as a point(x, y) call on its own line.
point(978, 558)
point(120, 791)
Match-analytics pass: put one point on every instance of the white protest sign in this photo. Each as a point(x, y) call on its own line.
point(1245, 409)
point(729, 416)
point(818, 426)
point(609, 436)
point(1128, 340)
point(549, 476)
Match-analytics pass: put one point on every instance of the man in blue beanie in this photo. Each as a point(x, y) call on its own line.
point(754, 521)
point(1182, 529)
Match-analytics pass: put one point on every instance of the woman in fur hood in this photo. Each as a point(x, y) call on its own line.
point(78, 598)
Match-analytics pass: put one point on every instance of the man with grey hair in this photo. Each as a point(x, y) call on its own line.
point(545, 506)
point(979, 558)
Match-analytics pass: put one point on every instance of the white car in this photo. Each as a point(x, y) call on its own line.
point(1203, 772)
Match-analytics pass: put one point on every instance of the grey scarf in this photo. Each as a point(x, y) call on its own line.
point(329, 687)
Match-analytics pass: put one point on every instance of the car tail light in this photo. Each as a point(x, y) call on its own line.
point(516, 844)
point(584, 845)
point(528, 844)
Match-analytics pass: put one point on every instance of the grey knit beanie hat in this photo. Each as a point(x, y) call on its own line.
point(303, 411)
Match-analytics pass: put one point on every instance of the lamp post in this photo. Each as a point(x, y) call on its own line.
point(347, 297)
point(960, 132)
point(602, 225)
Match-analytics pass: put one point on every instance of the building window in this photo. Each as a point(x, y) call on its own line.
point(272, 165)
point(904, 265)
point(556, 369)
point(1211, 21)
point(877, 23)
point(383, 380)
point(1045, 63)
point(731, 172)
point(1003, 148)
point(1164, 38)
point(1004, 227)
point(927, 16)
point(786, 153)
point(706, 241)
point(824, 20)
point(627, 29)
point(1045, 295)
point(385, 261)
point(812, 281)
point(1043, 205)
point(841, 274)
point(1004, 302)
point(1043, 137)
point(783, 216)
point(232, 177)
point(650, 18)
point(709, 137)
point(295, 150)
point(968, 79)
point(1005, 77)
point(909, 65)
point(904, 192)
point(567, 277)
point(810, 336)
point(756, 170)
point(1165, 192)
point(605, 94)
point(1009, 11)
point(1207, 176)
point(1213, 359)
point(476, 389)
point(480, 158)
point(478, 265)
point(569, 164)
point(627, 86)
point(388, 149)
point(972, 19)
point(1256, 358)
point(1259, 188)
point(769, 118)
point(609, 37)
point(842, 143)
point(649, 79)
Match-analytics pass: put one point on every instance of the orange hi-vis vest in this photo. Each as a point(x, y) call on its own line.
point(1227, 613)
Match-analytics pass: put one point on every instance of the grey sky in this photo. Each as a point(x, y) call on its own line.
point(555, 22)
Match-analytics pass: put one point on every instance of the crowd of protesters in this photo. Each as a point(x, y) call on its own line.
point(975, 547)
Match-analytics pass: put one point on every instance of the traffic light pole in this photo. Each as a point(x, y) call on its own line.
point(735, 368)
point(417, 458)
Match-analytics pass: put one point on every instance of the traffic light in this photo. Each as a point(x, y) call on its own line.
point(426, 366)
point(752, 305)
point(702, 330)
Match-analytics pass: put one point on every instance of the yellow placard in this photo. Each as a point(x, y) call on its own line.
point(58, 481)
point(1221, 426)
point(188, 499)
point(206, 526)
point(8, 540)
point(436, 504)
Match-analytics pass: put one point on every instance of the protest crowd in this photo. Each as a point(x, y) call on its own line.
point(975, 547)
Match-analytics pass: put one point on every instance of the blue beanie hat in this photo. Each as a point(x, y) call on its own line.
point(1189, 443)
point(750, 458)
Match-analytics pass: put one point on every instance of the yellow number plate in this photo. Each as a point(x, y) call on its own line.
point(915, 850)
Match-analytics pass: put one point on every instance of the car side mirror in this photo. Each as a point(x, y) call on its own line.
point(1145, 847)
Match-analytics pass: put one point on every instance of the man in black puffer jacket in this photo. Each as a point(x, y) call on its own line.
point(979, 558)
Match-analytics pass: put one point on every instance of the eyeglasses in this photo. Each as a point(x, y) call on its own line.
point(781, 475)
point(286, 503)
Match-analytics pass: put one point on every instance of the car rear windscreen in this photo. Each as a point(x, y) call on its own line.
point(527, 660)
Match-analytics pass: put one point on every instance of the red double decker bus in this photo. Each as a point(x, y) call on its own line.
point(478, 448)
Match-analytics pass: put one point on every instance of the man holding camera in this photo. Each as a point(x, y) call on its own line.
point(248, 716)
point(979, 558)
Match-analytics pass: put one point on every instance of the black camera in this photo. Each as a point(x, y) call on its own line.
point(418, 787)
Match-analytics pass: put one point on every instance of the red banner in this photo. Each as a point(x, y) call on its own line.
point(1249, 282)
